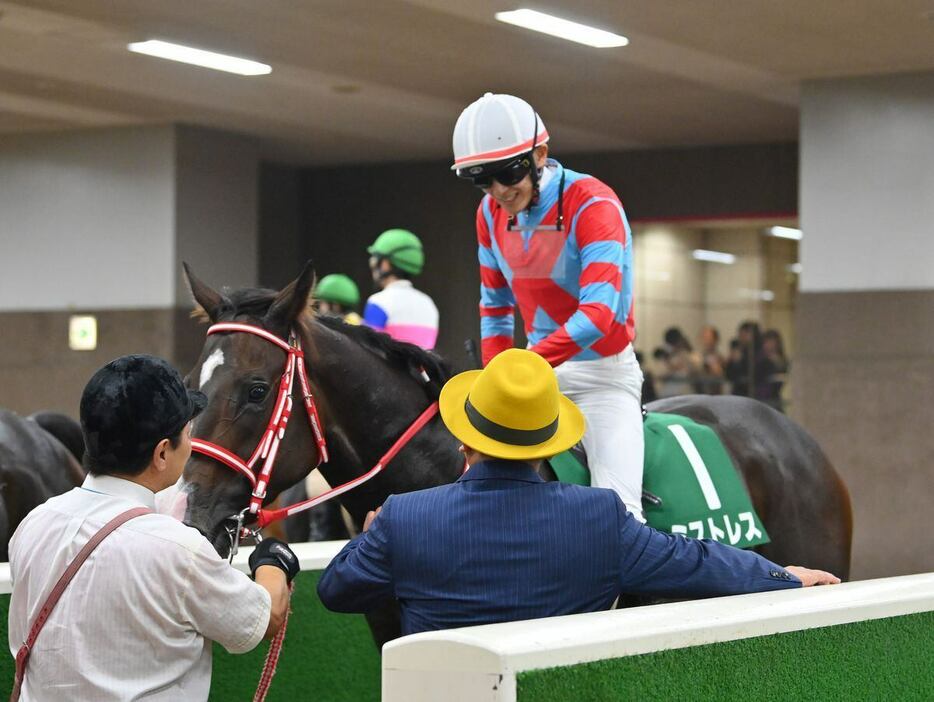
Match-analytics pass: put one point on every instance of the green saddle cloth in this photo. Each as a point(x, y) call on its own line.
point(700, 491)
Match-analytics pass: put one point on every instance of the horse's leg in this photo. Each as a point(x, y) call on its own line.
point(326, 522)
point(385, 623)
point(296, 526)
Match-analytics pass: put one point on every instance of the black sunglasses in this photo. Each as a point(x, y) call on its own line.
point(508, 175)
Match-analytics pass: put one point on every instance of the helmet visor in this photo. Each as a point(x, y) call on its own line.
point(503, 172)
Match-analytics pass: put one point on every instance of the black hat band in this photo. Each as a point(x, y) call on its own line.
point(508, 435)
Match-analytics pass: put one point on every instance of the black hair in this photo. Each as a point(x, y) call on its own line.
point(133, 466)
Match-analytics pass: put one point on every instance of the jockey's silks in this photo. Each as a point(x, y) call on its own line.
point(573, 286)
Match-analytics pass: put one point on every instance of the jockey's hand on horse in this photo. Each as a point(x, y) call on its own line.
point(809, 577)
point(276, 553)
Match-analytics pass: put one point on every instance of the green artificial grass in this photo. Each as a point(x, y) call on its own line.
point(881, 659)
point(326, 657)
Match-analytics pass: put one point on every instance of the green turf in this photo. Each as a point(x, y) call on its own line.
point(882, 659)
point(326, 657)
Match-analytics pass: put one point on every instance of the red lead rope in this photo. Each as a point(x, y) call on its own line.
point(272, 655)
point(267, 516)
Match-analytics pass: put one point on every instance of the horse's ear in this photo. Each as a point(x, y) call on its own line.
point(206, 297)
point(292, 300)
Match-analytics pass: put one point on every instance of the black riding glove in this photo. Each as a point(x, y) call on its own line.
point(275, 553)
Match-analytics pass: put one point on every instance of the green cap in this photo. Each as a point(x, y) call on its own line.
point(402, 248)
point(338, 288)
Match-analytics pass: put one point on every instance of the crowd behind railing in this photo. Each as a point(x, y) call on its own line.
point(755, 365)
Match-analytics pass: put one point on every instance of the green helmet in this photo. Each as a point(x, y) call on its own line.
point(402, 248)
point(338, 288)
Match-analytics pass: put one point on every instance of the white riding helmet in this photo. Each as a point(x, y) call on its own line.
point(496, 128)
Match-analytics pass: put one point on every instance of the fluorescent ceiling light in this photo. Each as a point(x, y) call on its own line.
point(763, 295)
point(562, 28)
point(713, 256)
point(199, 57)
point(785, 233)
point(794, 268)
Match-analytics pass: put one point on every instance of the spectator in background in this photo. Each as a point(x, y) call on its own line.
point(711, 361)
point(772, 367)
point(398, 309)
point(649, 394)
point(744, 353)
point(336, 295)
point(680, 364)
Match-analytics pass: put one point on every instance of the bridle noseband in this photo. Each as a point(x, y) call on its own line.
point(268, 447)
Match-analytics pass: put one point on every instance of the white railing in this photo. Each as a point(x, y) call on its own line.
point(480, 663)
point(313, 555)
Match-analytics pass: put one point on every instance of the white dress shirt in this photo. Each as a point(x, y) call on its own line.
point(137, 621)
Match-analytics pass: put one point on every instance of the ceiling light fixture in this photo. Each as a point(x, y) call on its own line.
point(713, 256)
point(785, 233)
point(562, 28)
point(200, 57)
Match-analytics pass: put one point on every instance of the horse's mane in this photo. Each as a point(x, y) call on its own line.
point(409, 356)
point(255, 302)
point(250, 301)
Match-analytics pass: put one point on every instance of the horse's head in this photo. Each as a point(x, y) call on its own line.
point(240, 374)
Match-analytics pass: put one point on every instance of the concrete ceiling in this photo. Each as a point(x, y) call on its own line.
point(380, 80)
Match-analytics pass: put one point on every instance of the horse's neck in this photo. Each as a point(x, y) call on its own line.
point(369, 406)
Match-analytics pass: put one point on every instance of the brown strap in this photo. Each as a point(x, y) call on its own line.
point(22, 656)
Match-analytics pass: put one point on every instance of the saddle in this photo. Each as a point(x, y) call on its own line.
point(690, 484)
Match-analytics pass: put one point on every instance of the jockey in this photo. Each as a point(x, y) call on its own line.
point(557, 244)
point(336, 295)
point(400, 310)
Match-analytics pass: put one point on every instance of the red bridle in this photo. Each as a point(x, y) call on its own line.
point(268, 446)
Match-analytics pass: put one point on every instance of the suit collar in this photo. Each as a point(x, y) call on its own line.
point(502, 470)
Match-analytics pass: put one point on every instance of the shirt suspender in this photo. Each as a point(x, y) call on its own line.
point(22, 656)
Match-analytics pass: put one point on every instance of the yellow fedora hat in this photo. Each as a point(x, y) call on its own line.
point(511, 409)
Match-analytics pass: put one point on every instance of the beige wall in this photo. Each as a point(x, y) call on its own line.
point(669, 284)
point(673, 289)
point(865, 368)
point(98, 222)
point(38, 370)
point(865, 323)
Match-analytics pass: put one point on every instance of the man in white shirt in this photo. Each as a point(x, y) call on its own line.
point(137, 620)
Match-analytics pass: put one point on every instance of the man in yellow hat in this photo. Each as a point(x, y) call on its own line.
point(501, 544)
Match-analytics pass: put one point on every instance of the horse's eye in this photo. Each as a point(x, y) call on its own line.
point(258, 393)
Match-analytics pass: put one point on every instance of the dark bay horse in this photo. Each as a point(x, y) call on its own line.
point(35, 464)
point(369, 390)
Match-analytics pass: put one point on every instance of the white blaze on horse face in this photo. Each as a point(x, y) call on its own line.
point(209, 366)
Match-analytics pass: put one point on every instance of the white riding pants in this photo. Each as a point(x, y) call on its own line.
point(609, 392)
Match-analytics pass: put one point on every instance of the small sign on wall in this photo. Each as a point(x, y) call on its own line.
point(82, 332)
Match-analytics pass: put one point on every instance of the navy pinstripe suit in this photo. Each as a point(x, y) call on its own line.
point(501, 544)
